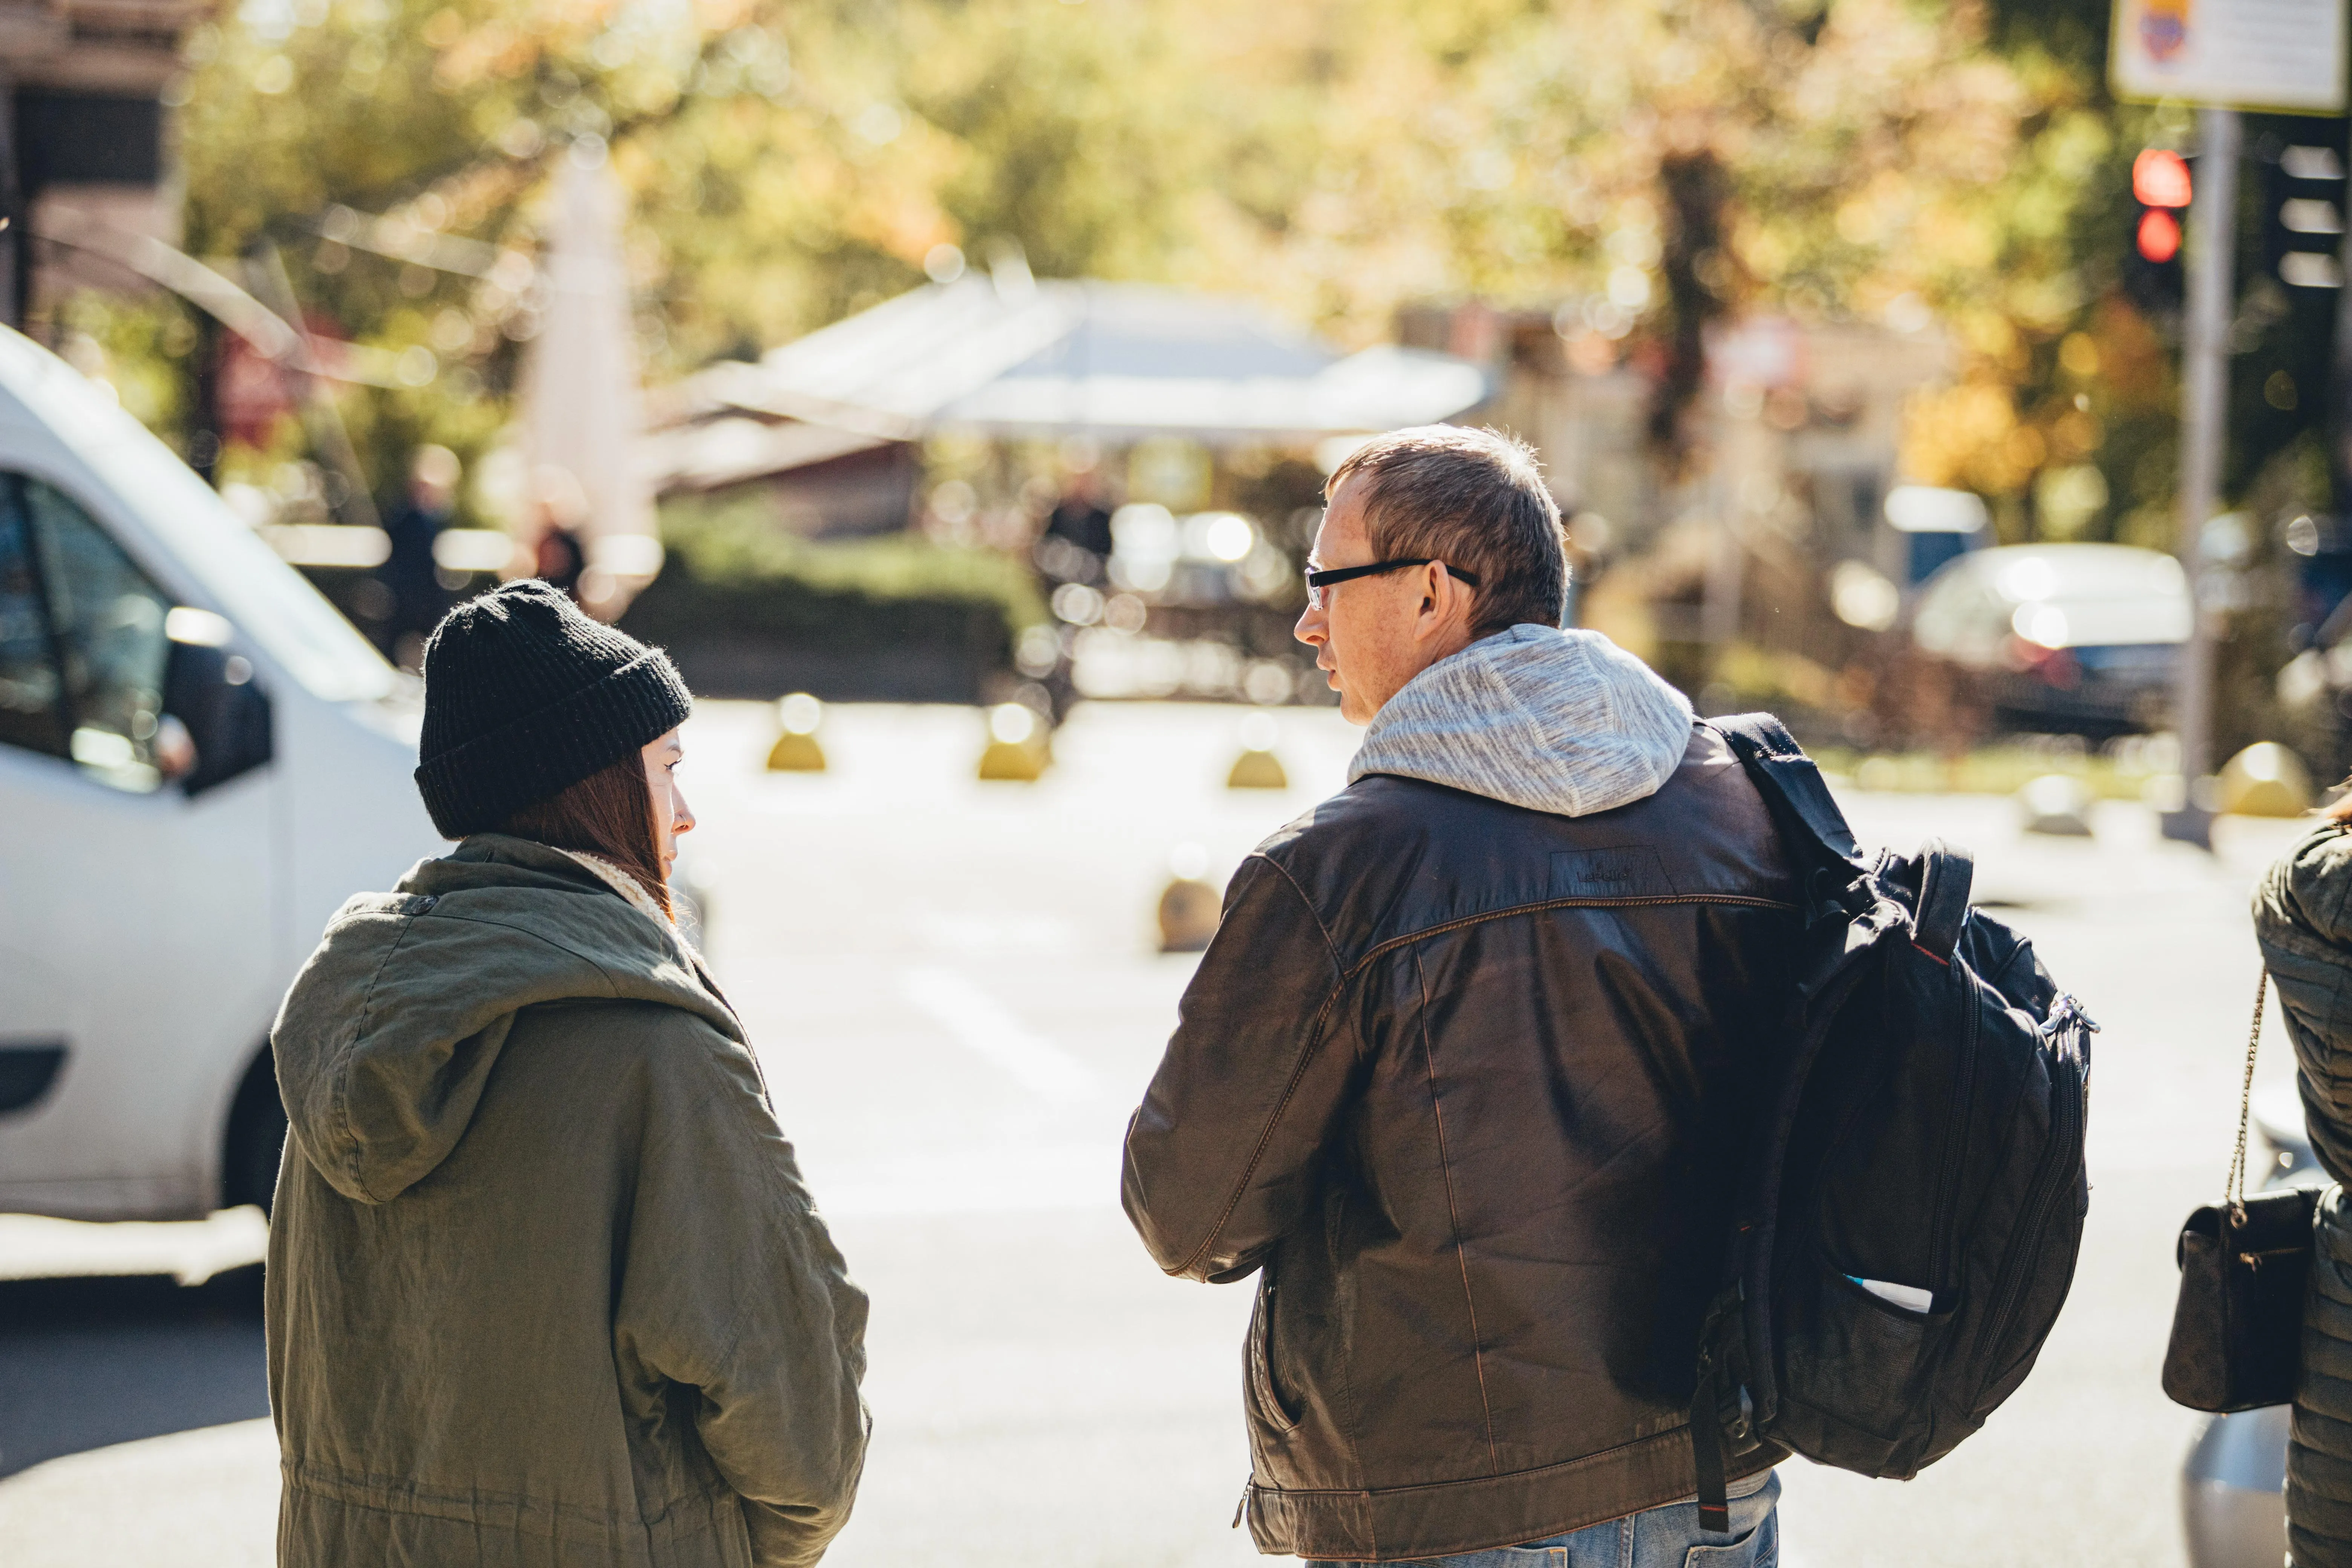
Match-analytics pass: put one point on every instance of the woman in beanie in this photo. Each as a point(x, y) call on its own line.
point(545, 1285)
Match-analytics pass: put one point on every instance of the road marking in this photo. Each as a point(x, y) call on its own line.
point(986, 1027)
point(980, 934)
point(33, 1246)
point(994, 1177)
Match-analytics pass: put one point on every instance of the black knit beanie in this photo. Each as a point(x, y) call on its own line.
point(525, 695)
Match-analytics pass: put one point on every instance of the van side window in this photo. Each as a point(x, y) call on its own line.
point(105, 624)
point(30, 712)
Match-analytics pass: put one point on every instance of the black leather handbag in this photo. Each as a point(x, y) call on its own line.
point(2237, 1330)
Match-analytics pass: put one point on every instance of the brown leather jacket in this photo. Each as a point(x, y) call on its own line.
point(1464, 1083)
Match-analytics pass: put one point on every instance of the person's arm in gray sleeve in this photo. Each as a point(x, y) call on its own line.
point(733, 1286)
point(1222, 1156)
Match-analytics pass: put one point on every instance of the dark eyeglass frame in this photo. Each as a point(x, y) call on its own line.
point(1318, 581)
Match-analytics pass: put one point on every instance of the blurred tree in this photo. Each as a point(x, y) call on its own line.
point(305, 121)
point(2103, 399)
point(1648, 166)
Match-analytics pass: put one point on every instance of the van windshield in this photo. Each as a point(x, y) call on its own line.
point(267, 600)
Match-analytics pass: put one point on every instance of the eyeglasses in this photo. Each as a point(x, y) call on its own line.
point(1318, 581)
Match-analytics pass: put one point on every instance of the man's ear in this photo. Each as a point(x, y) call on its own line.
point(1430, 591)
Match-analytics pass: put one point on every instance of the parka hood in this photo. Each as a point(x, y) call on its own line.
point(1563, 722)
point(384, 1041)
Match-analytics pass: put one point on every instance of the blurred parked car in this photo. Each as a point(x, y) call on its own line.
point(2232, 1501)
point(2063, 639)
point(199, 759)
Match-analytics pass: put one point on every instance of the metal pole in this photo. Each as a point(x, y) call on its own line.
point(17, 241)
point(321, 415)
point(2204, 414)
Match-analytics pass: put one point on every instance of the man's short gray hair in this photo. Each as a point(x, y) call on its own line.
point(1471, 499)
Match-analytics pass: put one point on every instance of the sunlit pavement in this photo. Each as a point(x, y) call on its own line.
point(955, 992)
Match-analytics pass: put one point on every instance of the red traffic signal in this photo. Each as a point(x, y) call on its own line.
point(2161, 183)
point(2160, 179)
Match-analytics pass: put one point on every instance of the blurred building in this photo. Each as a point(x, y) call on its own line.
point(825, 426)
point(718, 434)
point(1153, 456)
point(1770, 499)
point(81, 91)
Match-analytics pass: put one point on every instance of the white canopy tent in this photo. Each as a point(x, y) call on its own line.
point(1007, 355)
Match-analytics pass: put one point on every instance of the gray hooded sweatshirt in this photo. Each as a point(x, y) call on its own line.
point(545, 1285)
point(1563, 722)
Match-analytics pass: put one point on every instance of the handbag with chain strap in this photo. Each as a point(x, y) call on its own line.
point(2237, 1330)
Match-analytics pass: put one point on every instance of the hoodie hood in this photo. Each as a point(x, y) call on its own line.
point(391, 1030)
point(1563, 722)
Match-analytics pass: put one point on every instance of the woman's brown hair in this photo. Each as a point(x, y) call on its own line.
point(609, 814)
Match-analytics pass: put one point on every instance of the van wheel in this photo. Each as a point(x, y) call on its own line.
point(257, 1137)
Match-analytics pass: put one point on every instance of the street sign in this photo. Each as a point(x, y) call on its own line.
point(2279, 54)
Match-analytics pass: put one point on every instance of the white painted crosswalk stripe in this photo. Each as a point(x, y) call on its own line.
point(989, 1030)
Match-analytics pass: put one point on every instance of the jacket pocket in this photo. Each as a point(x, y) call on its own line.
point(1761, 1550)
point(1756, 1542)
point(1265, 1402)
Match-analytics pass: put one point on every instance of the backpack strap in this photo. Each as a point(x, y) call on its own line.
point(1719, 1403)
point(1943, 898)
point(1792, 785)
point(1706, 1451)
point(1826, 860)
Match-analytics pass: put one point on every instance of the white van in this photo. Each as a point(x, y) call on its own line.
point(199, 760)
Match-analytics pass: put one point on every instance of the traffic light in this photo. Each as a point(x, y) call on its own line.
point(2162, 186)
point(2304, 228)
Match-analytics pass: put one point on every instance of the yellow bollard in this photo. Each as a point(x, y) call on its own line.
point(1018, 745)
point(1189, 907)
point(1258, 767)
point(2265, 780)
point(2058, 805)
point(796, 750)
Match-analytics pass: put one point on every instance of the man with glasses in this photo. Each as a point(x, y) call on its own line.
point(1461, 1077)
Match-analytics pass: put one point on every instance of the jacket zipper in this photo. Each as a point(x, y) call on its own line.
point(2030, 1234)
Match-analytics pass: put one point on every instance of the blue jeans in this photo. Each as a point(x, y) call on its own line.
point(1666, 1537)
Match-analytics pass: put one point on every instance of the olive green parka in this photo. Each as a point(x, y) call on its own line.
point(2303, 916)
point(544, 1286)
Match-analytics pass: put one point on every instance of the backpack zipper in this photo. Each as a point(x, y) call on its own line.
point(1955, 1143)
point(2030, 1234)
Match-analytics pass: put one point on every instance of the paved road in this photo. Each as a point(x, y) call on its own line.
point(956, 996)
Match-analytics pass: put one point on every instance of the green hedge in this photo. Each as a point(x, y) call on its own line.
point(731, 575)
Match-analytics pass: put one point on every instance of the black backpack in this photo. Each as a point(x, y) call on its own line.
point(1908, 1229)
